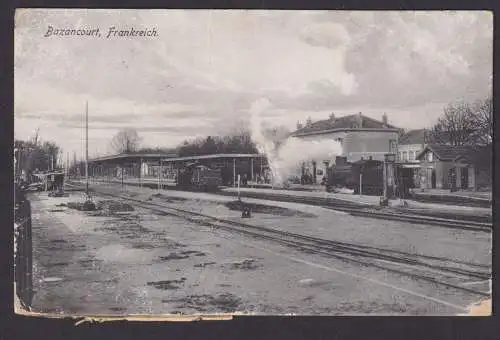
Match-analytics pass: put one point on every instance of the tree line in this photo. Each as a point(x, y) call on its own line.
point(128, 141)
point(464, 123)
point(32, 155)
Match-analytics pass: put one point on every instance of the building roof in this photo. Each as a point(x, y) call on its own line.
point(446, 152)
point(412, 137)
point(342, 123)
point(478, 155)
point(215, 156)
point(145, 155)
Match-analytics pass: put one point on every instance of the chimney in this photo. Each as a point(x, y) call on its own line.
point(332, 117)
point(359, 120)
point(340, 160)
point(299, 125)
point(308, 121)
point(384, 119)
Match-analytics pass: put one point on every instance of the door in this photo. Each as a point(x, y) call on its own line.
point(464, 177)
point(433, 179)
point(314, 173)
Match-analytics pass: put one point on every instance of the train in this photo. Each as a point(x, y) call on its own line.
point(195, 176)
point(347, 175)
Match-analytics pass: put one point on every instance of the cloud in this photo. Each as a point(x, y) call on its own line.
point(206, 68)
point(329, 35)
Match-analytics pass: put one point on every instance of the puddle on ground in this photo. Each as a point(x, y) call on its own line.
point(117, 309)
point(203, 265)
point(51, 279)
point(89, 262)
point(57, 264)
point(118, 253)
point(103, 208)
point(181, 255)
point(224, 303)
point(193, 252)
point(249, 264)
point(266, 209)
point(165, 198)
point(125, 228)
point(167, 284)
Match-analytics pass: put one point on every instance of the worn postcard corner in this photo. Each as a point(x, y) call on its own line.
point(182, 165)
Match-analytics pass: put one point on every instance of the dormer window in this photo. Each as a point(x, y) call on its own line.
point(430, 156)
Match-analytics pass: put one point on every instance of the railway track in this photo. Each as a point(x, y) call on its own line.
point(479, 224)
point(369, 212)
point(437, 270)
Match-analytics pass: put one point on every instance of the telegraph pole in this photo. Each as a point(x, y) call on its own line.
point(87, 148)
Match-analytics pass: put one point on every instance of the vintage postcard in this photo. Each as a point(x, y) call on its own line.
point(186, 163)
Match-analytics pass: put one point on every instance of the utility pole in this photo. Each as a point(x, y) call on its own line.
point(87, 148)
point(385, 179)
point(140, 174)
point(66, 170)
point(361, 181)
point(234, 172)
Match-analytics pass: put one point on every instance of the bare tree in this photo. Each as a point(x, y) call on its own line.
point(483, 117)
point(127, 140)
point(455, 127)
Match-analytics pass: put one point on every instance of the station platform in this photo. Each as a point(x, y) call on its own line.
point(415, 205)
point(359, 199)
point(369, 201)
point(479, 195)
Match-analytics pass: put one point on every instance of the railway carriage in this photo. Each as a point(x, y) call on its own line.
point(199, 177)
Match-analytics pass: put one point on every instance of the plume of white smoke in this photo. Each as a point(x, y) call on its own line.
point(285, 161)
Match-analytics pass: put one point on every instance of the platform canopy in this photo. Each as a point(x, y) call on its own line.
point(131, 158)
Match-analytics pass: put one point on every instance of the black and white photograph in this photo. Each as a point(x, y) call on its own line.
point(185, 163)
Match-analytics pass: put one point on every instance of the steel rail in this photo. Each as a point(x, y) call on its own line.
point(348, 253)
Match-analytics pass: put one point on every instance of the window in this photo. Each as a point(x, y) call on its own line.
point(411, 155)
point(405, 156)
point(392, 146)
point(430, 156)
point(400, 156)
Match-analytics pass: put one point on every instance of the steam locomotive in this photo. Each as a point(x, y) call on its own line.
point(370, 174)
point(199, 177)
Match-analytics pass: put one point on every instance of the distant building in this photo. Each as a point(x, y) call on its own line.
point(410, 146)
point(361, 138)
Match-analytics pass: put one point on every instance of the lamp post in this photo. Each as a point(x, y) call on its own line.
point(361, 180)
point(327, 165)
point(389, 158)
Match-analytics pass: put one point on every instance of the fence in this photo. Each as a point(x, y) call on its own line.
point(23, 251)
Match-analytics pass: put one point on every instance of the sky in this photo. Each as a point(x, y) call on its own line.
point(205, 68)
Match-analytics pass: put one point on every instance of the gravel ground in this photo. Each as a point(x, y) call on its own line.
point(136, 262)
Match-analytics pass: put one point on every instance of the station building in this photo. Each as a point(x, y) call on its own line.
point(361, 138)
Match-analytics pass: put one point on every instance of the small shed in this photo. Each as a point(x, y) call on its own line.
point(447, 166)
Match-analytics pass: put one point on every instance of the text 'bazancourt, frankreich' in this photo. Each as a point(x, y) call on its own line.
point(112, 32)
